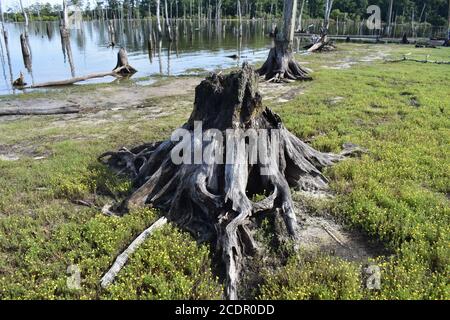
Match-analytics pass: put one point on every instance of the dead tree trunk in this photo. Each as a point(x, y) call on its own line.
point(389, 28)
point(112, 34)
point(280, 64)
point(64, 22)
point(206, 187)
point(323, 43)
point(24, 41)
point(447, 42)
point(158, 18)
point(5, 39)
point(166, 12)
point(328, 7)
point(25, 52)
point(300, 17)
point(405, 39)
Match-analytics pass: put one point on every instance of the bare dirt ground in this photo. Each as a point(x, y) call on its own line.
point(323, 233)
point(110, 97)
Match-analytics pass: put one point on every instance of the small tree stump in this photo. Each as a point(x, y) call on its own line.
point(123, 67)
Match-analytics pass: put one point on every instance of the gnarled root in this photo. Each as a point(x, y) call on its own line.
point(212, 198)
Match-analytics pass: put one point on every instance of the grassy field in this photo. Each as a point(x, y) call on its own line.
point(397, 194)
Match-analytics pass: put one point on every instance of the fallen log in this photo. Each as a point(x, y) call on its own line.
point(29, 110)
point(120, 261)
point(70, 81)
point(122, 69)
point(321, 44)
point(416, 60)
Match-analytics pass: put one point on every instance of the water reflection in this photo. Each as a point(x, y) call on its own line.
point(197, 45)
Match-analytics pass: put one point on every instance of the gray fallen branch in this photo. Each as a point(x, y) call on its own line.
point(416, 60)
point(16, 110)
point(109, 276)
point(114, 73)
point(332, 235)
point(122, 69)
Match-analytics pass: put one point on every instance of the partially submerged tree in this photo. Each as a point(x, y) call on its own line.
point(167, 20)
point(280, 64)
point(212, 194)
point(5, 39)
point(25, 42)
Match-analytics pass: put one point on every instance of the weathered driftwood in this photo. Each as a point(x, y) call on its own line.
point(416, 60)
point(122, 69)
point(15, 111)
point(212, 199)
point(109, 276)
point(322, 44)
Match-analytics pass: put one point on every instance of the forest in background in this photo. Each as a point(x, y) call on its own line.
point(434, 12)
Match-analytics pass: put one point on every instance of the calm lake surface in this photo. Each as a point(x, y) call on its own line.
point(201, 46)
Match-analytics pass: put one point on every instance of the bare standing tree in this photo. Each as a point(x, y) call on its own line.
point(447, 43)
point(328, 7)
point(25, 16)
point(322, 43)
point(166, 18)
point(158, 17)
point(24, 41)
point(300, 15)
point(218, 10)
point(389, 28)
point(5, 38)
point(280, 64)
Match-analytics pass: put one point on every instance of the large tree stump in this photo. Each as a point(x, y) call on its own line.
point(281, 66)
point(213, 199)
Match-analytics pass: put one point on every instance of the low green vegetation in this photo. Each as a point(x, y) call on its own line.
point(313, 277)
point(397, 193)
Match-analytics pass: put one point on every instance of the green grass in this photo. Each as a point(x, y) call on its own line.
point(397, 194)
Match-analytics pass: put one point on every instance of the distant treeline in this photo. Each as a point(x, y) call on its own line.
point(434, 12)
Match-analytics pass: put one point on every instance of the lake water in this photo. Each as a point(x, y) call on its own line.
point(200, 46)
